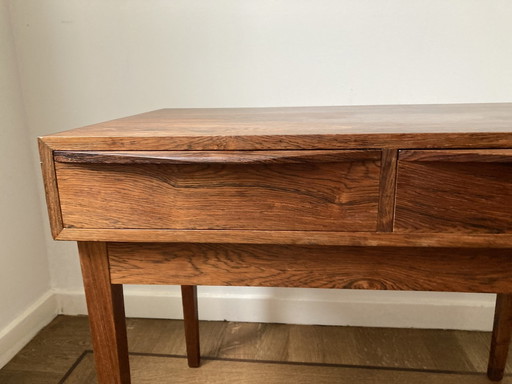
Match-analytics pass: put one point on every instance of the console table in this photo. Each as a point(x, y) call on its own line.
point(412, 197)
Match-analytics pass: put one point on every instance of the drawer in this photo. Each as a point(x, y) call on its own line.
point(259, 190)
point(466, 191)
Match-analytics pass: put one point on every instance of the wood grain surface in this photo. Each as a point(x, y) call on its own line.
point(501, 335)
point(387, 190)
point(212, 157)
point(459, 155)
point(328, 196)
point(51, 190)
point(423, 269)
point(369, 239)
point(308, 215)
point(191, 323)
point(398, 126)
point(363, 354)
point(150, 369)
point(106, 315)
point(452, 196)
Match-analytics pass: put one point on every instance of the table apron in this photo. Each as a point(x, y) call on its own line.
point(383, 268)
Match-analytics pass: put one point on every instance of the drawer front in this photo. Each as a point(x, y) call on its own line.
point(271, 190)
point(466, 191)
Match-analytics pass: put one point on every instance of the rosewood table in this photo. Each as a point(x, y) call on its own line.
point(373, 197)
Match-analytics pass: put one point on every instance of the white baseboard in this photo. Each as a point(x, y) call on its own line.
point(375, 310)
point(22, 329)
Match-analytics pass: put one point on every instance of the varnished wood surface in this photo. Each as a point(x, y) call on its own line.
point(417, 269)
point(456, 198)
point(50, 186)
point(399, 126)
point(459, 155)
point(212, 157)
point(329, 196)
point(191, 323)
point(365, 355)
point(462, 121)
point(502, 333)
point(374, 239)
point(387, 190)
point(105, 306)
point(447, 196)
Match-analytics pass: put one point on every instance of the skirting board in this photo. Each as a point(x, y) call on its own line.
point(411, 312)
point(24, 327)
point(354, 309)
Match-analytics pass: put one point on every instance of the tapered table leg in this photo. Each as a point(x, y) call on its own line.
point(501, 333)
point(191, 320)
point(106, 315)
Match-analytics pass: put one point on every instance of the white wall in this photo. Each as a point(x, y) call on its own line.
point(86, 61)
point(24, 274)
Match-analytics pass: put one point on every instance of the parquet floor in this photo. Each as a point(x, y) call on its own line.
point(253, 353)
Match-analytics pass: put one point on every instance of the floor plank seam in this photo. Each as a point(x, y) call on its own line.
point(331, 365)
point(74, 365)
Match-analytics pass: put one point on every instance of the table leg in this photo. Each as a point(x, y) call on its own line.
point(106, 315)
point(501, 334)
point(191, 320)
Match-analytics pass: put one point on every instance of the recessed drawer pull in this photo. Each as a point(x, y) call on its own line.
point(210, 157)
point(458, 156)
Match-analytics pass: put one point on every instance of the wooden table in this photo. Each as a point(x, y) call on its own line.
point(378, 197)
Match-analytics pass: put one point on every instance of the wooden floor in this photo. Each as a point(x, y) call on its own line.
point(260, 353)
